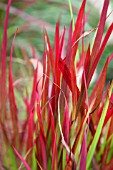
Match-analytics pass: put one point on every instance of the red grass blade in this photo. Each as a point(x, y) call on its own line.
point(43, 151)
point(77, 29)
point(64, 65)
point(100, 31)
point(12, 100)
point(33, 95)
point(40, 119)
point(31, 114)
point(20, 157)
point(66, 72)
point(110, 111)
point(54, 155)
point(97, 93)
point(66, 124)
point(52, 124)
point(45, 85)
point(97, 58)
point(76, 35)
point(69, 47)
point(89, 73)
point(87, 62)
point(30, 131)
point(3, 91)
point(86, 91)
point(99, 87)
point(110, 132)
point(41, 140)
point(25, 125)
point(61, 42)
point(108, 166)
point(105, 156)
point(57, 57)
point(85, 73)
point(49, 51)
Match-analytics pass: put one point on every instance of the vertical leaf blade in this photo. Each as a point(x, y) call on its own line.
point(99, 129)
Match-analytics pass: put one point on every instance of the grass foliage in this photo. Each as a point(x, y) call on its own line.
point(63, 125)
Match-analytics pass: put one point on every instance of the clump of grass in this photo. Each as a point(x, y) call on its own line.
point(65, 127)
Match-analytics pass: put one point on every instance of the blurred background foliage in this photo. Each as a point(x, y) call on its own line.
point(31, 16)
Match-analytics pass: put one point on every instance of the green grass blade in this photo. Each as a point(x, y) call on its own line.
point(105, 143)
point(34, 162)
point(71, 13)
point(110, 154)
point(13, 159)
point(99, 129)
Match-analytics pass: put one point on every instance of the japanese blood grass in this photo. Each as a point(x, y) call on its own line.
point(65, 127)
